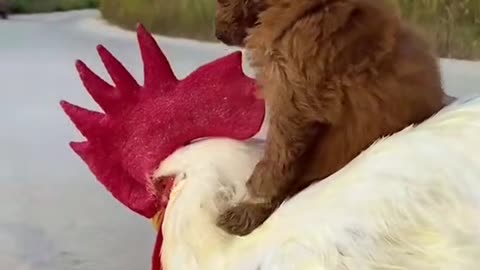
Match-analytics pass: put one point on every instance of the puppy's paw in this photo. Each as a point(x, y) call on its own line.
point(244, 218)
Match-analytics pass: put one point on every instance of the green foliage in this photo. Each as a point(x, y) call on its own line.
point(452, 26)
point(187, 18)
point(34, 6)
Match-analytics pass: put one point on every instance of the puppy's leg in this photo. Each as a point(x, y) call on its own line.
point(245, 217)
point(288, 138)
point(298, 118)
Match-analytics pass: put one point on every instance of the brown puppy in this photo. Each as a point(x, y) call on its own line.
point(336, 75)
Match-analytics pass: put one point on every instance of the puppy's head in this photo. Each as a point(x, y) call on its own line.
point(234, 18)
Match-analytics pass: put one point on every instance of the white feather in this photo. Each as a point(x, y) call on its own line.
point(409, 202)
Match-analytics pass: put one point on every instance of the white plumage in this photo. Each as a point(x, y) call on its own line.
point(409, 202)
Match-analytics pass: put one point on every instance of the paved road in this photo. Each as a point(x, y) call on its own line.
point(53, 215)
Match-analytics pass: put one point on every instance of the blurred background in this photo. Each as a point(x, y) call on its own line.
point(53, 213)
point(452, 26)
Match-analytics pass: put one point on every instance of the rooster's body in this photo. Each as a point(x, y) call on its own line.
point(410, 202)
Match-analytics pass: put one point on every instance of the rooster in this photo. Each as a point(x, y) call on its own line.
point(180, 152)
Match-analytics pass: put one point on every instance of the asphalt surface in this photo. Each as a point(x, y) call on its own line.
point(53, 214)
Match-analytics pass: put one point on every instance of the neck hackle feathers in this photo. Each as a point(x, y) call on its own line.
point(143, 125)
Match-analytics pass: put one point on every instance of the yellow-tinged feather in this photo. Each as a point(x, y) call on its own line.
point(409, 202)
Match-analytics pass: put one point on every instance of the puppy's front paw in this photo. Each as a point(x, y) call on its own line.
point(244, 218)
point(262, 183)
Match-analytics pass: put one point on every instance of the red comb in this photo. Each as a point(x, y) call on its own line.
point(143, 125)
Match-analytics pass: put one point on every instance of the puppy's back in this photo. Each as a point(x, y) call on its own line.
point(384, 70)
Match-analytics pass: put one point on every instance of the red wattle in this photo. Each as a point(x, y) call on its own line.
point(157, 251)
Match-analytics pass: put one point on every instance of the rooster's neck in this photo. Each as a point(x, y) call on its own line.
point(216, 171)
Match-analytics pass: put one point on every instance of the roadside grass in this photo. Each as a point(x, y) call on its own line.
point(452, 27)
point(40, 6)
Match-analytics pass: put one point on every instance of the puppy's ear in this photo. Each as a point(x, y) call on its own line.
point(259, 3)
point(251, 11)
point(254, 7)
point(339, 15)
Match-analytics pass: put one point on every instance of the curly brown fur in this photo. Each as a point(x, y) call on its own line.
point(336, 75)
point(234, 18)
